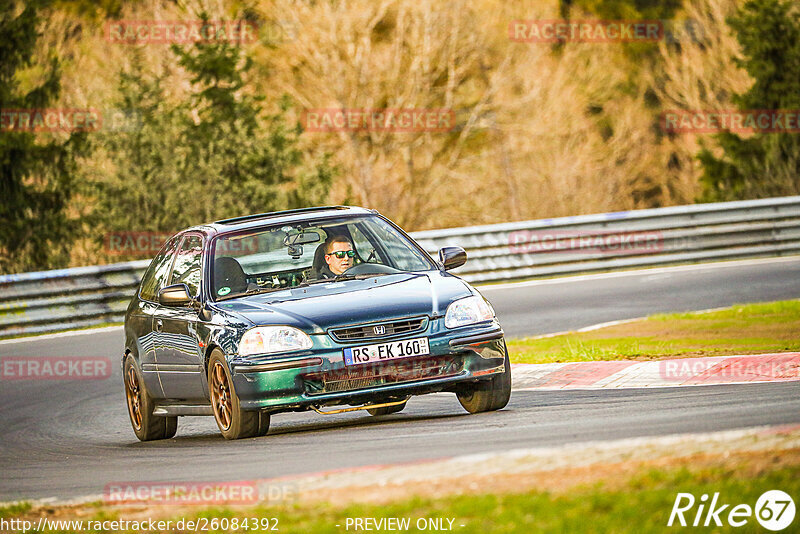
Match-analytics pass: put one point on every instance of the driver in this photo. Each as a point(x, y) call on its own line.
point(339, 256)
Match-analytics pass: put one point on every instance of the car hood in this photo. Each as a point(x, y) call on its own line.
point(318, 307)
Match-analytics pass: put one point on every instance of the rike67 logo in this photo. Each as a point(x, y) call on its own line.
point(774, 510)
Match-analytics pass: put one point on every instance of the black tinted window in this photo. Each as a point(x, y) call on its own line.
point(156, 275)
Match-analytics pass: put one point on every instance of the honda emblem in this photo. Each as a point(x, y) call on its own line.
point(379, 330)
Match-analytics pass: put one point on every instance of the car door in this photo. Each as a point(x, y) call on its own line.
point(178, 355)
point(141, 321)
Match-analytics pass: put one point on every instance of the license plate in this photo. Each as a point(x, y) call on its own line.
point(382, 352)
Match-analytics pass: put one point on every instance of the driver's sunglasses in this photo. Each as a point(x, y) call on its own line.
point(342, 253)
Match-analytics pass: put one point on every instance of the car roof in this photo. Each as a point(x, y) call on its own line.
point(278, 217)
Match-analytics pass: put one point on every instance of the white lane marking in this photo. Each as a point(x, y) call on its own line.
point(639, 272)
point(598, 326)
point(69, 333)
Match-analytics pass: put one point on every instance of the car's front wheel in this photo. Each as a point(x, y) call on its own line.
point(488, 395)
point(145, 425)
point(233, 422)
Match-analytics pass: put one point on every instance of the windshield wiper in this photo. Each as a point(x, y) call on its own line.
point(338, 278)
point(312, 282)
point(257, 290)
point(345, 276)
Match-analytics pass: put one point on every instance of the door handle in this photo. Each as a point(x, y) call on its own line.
point(159, 325)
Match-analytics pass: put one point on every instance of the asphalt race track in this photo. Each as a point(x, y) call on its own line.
point(541, 307)
point(70, 439)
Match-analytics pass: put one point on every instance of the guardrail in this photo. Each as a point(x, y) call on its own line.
point(69, 298)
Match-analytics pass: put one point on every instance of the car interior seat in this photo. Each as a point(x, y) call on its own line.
point(229, 273)
point(318, 263)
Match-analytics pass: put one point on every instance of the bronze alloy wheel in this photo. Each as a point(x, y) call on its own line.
point(233, 422)
point(141, 406)
point(134, 396)
point(221, 395)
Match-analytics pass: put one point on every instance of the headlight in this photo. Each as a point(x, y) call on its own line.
point(466, 311)
point(272, 339)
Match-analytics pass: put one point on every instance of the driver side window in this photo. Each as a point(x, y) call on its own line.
point(155, 277)
point(188, 264)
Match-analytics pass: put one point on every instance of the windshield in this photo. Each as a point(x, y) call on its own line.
point(278, 257)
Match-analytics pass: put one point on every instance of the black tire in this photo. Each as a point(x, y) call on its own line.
point(146, 426)
point(386, 410)
point(488, 395)
point(233, 422)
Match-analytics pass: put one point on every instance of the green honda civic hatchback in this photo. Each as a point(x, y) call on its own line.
point(328, 309)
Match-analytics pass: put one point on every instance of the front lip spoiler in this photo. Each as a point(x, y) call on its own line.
point(277, 366)
point(387, 388)
point(477, 338)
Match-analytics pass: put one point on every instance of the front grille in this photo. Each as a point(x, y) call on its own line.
point(351, 379)
point(350, 384)
point(379, 330)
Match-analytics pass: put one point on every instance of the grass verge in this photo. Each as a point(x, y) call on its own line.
point(618, 498)
point(743, 329)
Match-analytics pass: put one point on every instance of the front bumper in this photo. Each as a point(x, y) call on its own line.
point(319, 376)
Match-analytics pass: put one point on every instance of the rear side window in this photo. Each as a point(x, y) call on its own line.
point(156, 275)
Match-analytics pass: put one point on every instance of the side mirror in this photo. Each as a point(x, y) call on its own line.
point(452, 257)
point(175, 295)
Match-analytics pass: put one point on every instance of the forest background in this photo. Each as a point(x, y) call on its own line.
point(193, 133)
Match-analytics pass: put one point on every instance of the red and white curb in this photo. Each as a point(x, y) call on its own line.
point(619, 374)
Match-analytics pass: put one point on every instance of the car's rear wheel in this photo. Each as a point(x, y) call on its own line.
point(233, 422)
point(386, 410)
point(146, 426)
point(488, 395)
